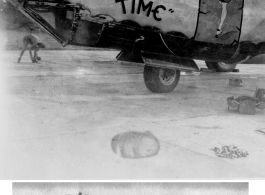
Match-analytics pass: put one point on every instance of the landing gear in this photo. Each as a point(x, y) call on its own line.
point(161, 80)
point(220, 66)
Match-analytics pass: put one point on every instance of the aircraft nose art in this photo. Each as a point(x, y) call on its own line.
point(220, 21)
point(165, 15)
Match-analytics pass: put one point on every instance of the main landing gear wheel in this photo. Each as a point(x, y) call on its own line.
point(161, 80)
point(220, 66)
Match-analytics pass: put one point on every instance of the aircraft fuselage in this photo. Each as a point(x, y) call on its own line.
point(215, 30)
point(164, 35)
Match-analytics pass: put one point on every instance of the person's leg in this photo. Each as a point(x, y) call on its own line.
point(224, 14)
point(36, 55)
point(36, 49)
point(21, 54)
point(223, 17)
point(40, 46)
point(24, 47)
point(30, 53)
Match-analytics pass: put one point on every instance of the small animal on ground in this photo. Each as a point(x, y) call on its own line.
point(34, 44)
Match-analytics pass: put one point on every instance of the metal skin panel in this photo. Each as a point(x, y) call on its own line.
point(173, 15)
point(253, 26)
point(184, 17)
point(214, 30)
point(188, 28)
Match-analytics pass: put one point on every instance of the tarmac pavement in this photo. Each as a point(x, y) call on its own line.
point(60, 115)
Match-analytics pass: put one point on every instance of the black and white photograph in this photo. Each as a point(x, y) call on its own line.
point(132, 90)
point(157, 188)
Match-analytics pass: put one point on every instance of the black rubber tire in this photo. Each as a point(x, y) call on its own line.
point(155, 83)
point(210, 65)
point(220, 66)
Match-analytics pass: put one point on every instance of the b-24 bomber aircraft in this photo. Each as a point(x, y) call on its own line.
point(165, 36)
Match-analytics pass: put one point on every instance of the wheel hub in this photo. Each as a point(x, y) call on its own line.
point(167, 76)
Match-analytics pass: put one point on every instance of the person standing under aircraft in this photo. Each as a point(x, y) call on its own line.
point(35, 44)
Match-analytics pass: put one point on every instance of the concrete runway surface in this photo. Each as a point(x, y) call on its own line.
point(58, 118)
